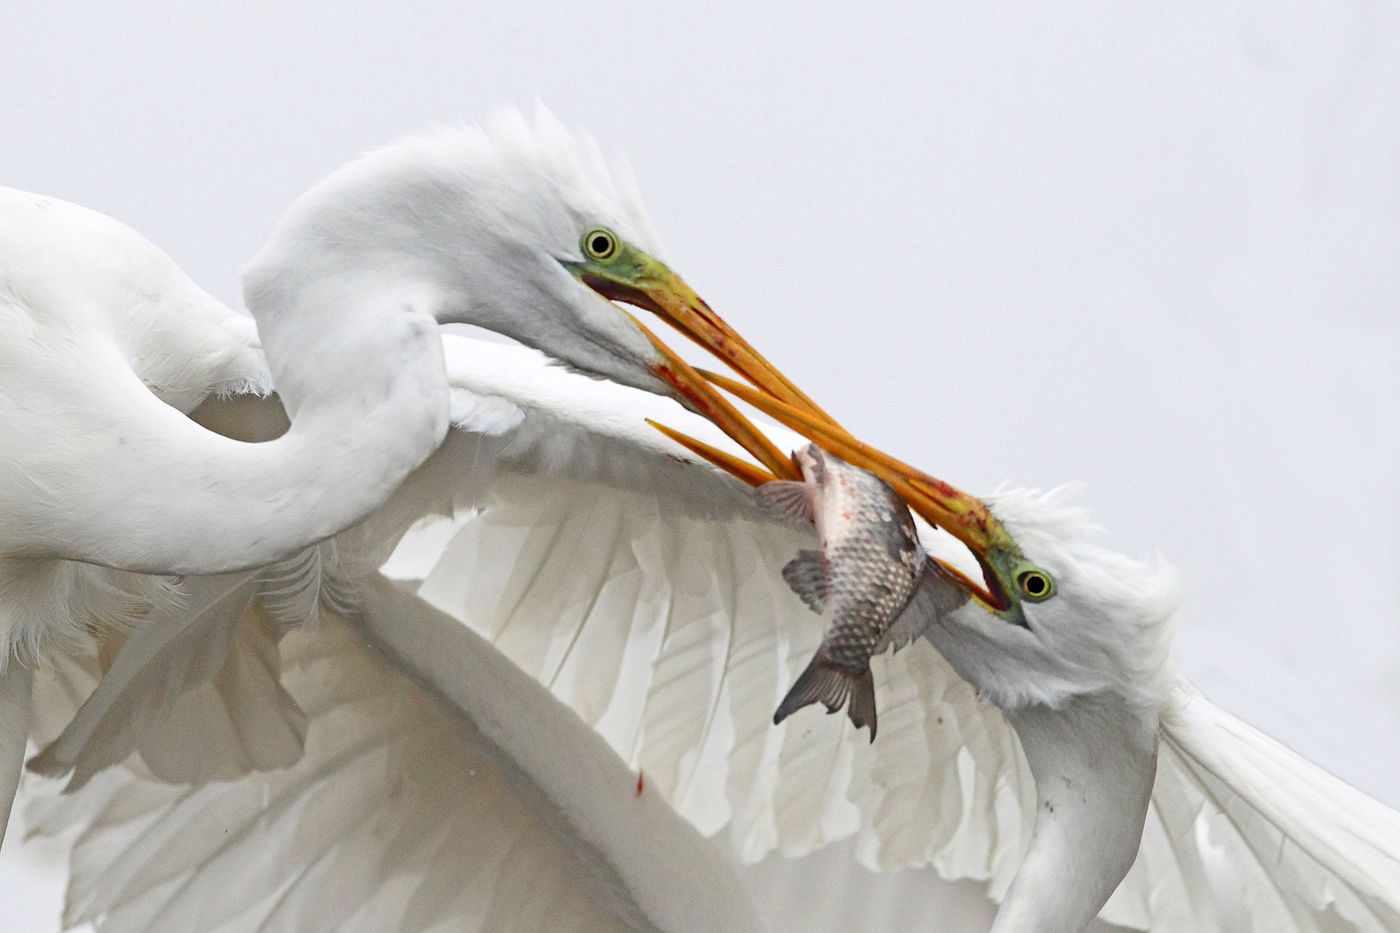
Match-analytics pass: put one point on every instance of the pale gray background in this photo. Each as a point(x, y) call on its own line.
point(1151, 247)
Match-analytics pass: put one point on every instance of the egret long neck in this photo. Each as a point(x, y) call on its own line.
point(154, 492)
point(358, 365)
point(1094, 764)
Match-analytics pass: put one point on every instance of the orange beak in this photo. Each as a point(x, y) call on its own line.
point(632, 276)
point(940, 504)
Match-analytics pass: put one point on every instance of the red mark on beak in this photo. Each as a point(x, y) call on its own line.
point(639, 783)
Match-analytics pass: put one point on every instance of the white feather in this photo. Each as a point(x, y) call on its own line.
point(640, 588)
point(662, 618)
point(406, 812)
point(155, 694)
point(705, 633)
point(1296, 848)
point(15, 714)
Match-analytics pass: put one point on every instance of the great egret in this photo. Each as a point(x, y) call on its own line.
point(668, 627)
point(107, 345)
point(108, 484)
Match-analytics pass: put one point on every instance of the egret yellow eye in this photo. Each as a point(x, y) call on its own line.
point(599, 244)
point(1035, 585)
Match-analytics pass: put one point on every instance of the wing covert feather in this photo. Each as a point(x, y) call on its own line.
point(195, 687)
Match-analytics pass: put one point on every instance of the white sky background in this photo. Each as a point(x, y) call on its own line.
point(1151, 247)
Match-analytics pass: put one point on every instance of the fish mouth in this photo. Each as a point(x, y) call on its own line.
point(764, 387)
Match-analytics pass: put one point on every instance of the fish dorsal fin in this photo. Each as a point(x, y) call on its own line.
point(809, 575)
point(786, 498)
point(933, 596)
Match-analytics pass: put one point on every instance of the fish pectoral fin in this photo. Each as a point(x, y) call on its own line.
point(809, 576)
point(932, 597)
point(786, 498)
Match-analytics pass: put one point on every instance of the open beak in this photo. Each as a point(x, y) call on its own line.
point(963, 516)
point(647, 283)
point(661, 291)
point(655, 288)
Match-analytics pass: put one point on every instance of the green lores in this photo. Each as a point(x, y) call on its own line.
point(619, 271)
point(1018, 580)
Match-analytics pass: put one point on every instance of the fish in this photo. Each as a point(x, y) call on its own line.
point(868, 570)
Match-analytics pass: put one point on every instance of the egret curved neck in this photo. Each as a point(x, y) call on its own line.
point(358, 366)
point(154, 492)
point(1094, 763)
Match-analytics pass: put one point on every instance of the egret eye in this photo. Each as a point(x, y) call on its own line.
point(1035, 585)
point(599, 244)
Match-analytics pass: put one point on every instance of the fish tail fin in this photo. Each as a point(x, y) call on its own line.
point(862, 708)
point(821, 681)
point(825, 682)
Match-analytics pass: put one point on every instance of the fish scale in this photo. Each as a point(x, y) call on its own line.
point(859, 582)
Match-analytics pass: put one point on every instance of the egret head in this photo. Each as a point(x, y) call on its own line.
point(517, 226)
point(1079, 619)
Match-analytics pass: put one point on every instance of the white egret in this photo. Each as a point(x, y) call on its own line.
point(107, 345)
point(656, 609)
point(108, 488)
point(639, 589)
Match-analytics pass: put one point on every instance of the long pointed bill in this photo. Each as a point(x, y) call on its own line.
point(731, 464)
point(653, 286)
point(692, 386)
point(633, 277)
point(961, 515)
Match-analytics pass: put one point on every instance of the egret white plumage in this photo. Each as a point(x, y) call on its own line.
point(108, 486)
point(657, 610)
point(485, 229)
point(641, 591)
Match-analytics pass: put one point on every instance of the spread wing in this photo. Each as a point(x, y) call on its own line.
point(639, 580)
point(646, 593)
point(439, 788)
point(1243, 834)
point(690, 623)
point(676, 637)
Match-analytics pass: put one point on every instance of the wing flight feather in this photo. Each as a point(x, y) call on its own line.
point(946, 785)
point(1247, 835)
point(404, 812)
point(646, 593)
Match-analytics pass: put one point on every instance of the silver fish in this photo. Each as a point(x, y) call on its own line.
point(860, 582)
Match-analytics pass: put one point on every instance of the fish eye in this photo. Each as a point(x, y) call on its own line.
point(1035, 585)
point(599, 244)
